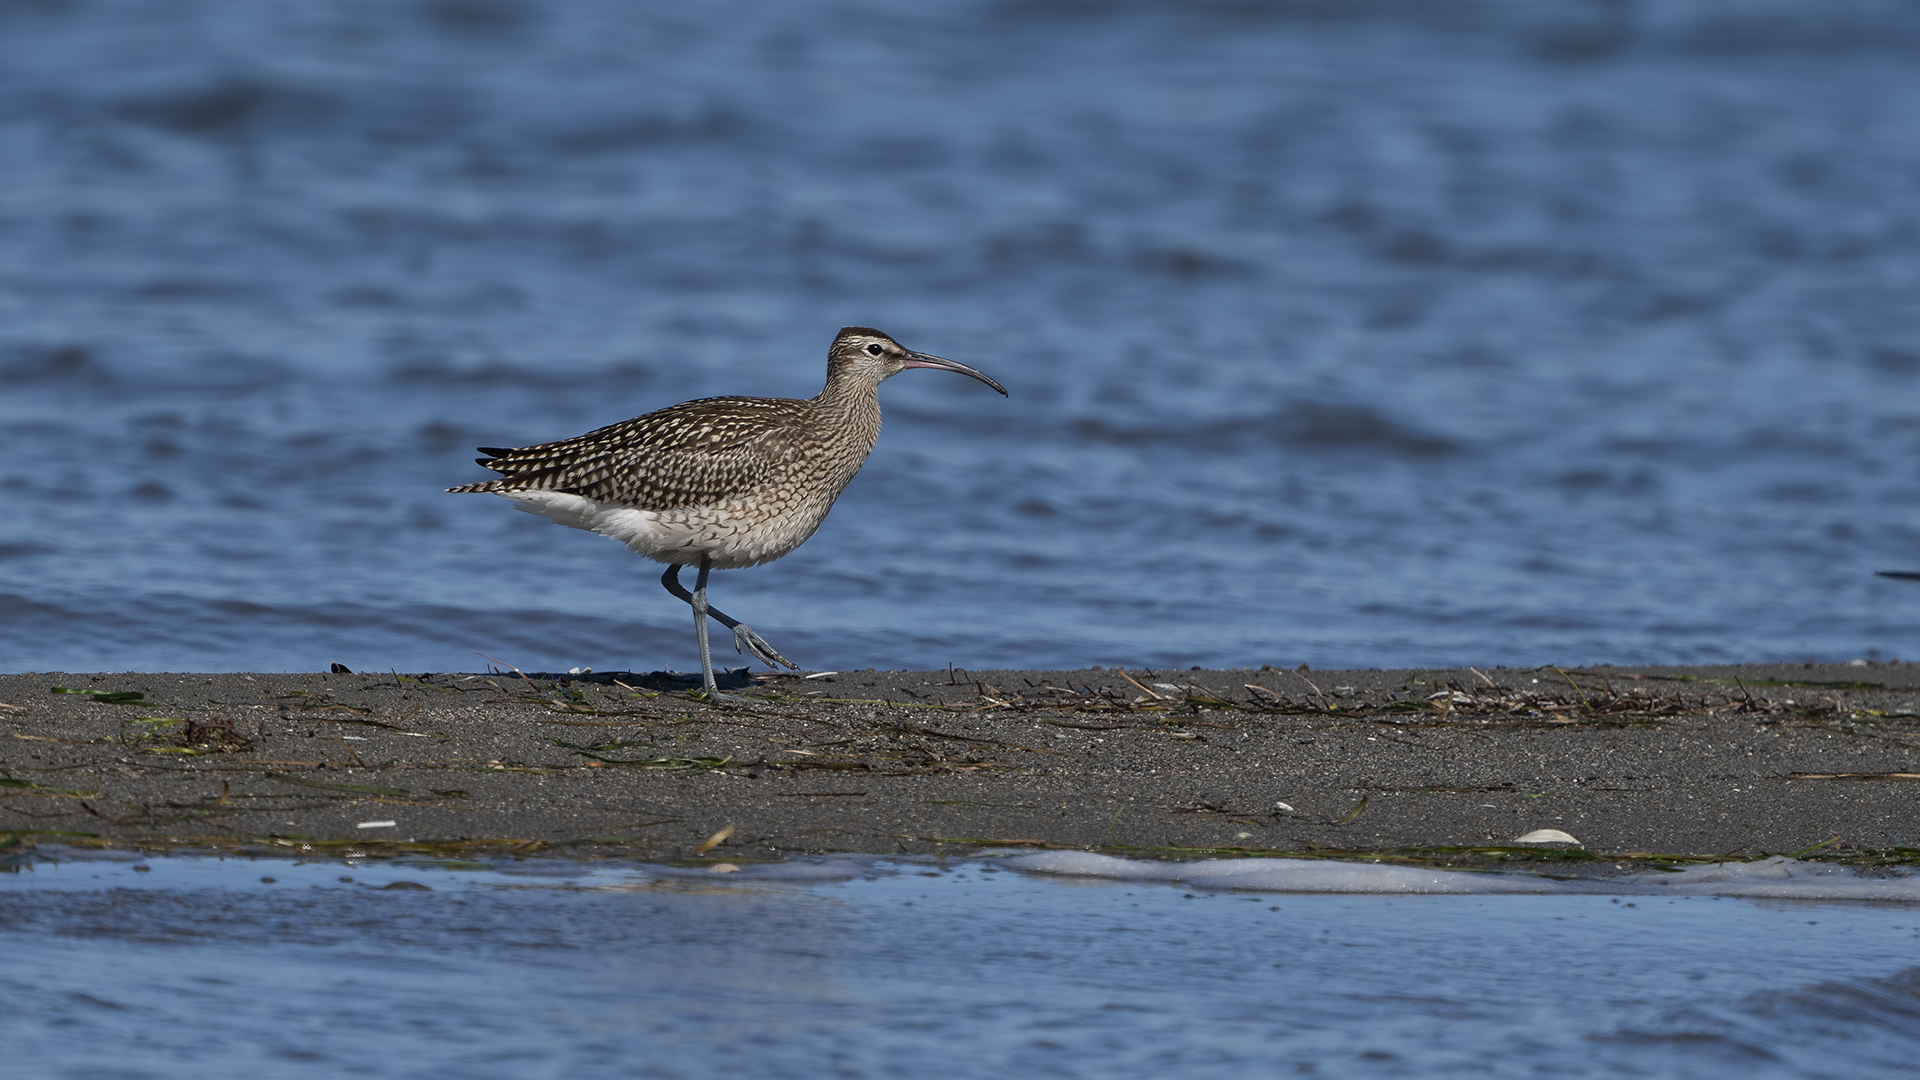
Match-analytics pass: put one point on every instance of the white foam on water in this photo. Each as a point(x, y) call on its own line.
point(1775, 878)
point(1282, 875)
point(1786, 879)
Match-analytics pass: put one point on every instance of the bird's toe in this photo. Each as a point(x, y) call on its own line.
point(746, 640)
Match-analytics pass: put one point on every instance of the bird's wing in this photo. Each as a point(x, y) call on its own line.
point(688, 455)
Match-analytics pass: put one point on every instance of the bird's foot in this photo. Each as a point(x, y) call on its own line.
point(745, 640)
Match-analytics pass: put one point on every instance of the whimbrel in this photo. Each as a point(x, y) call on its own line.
point(718, 483)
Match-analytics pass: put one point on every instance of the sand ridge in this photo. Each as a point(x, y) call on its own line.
point(1735, 760)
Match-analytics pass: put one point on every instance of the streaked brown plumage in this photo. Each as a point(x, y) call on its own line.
point(717, 483)
point(693, 453)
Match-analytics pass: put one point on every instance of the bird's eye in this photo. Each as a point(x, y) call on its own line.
point(873, 349)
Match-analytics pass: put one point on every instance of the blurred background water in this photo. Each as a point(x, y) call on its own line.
point(1368, 332)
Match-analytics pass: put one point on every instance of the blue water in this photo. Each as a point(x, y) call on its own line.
point(1382, 333)
point(859, 968)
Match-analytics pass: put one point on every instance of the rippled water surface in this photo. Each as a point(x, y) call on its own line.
point(859, 968)
point(1375, 333)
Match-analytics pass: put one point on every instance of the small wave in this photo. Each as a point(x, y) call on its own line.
point(1891, 1003)
point(1781, 878)
point(442, 371)
point(1869, 1022)
point(1774, 878)
point(1281, 875)
point(223, 107)
point(1325, 426)
point(54, 364)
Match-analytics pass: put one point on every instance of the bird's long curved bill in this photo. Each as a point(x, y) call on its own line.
point(915, 359)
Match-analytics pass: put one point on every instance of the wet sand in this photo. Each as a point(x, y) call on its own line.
point(1440, 766)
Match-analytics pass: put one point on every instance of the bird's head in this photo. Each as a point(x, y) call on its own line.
point(870, 354)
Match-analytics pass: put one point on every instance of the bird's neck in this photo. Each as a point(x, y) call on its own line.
point(851, 405)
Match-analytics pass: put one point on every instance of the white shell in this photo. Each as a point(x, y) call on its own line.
point(1547, 836)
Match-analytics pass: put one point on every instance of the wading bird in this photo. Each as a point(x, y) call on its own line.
point(719, 483)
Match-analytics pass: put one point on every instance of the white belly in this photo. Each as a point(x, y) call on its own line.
point(733, 534)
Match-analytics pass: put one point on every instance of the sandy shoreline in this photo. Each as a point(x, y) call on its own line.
point(1429, 765)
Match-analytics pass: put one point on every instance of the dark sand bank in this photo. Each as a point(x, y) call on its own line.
point(1696, 761)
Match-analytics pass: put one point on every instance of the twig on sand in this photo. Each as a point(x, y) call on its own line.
point(1316, 690)
point(715, 840)
point(1157, 696)
point(503, 664)
point(348, 749)
point(1582, 694)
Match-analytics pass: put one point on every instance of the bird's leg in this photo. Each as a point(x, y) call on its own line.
point(699, 602)
point(744, 637)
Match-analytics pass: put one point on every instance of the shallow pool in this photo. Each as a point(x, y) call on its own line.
point(132, 967)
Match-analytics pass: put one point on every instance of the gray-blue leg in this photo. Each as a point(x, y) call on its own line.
point(700, 628)
point(744, 637)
